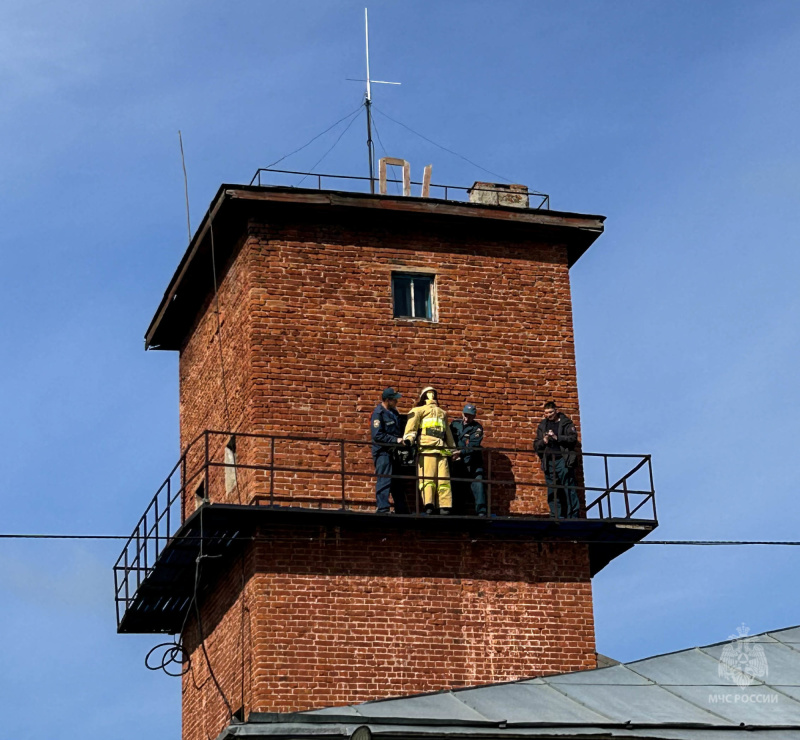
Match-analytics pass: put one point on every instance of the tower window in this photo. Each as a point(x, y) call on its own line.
point(414, 296)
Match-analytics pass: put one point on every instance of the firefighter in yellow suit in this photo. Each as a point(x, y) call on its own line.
point(427, 424)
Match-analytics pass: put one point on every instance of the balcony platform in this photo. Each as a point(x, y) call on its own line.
point(163, 593)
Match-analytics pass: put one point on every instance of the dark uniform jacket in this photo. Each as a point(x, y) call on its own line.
point(567, 439)
point(384, 426)
point(468, 437)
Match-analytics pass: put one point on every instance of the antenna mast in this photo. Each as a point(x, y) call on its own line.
point(368, 106)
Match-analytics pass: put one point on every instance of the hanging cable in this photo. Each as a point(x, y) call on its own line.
point(440, 146)
point(219, 343)
point(185, 188)
point(219, 325)
point(338, 139)
point(385, 154)
point(172, 653)
point(311, 141)
point(203, 645)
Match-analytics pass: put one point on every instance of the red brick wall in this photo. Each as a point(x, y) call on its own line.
point(227, 618)
point(325, 344)
point(206, 401)
point(308, 343)
point(343, 617)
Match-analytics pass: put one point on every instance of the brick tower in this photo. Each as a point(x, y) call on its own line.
point(291, 310)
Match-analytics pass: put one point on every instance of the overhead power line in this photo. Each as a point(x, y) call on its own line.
point(685, 543)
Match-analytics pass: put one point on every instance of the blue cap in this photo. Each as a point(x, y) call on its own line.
point(390, 393)
point(470, 409)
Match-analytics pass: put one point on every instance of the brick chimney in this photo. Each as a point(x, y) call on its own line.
point(499, 194)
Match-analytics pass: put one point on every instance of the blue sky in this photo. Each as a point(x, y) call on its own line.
point(677, 120)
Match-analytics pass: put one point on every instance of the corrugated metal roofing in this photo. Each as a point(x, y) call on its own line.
point(680, 696)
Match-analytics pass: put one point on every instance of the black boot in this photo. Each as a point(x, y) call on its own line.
point(429, 508)
point(444, 512)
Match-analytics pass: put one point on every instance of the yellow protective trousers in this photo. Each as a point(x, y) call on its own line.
point(434, 478)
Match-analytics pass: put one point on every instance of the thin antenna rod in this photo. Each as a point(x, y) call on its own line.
point(366, 33)
point(185, 187)
point(368, 107)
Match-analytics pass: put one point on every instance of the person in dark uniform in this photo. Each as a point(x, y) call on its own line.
point(386, 433)
point(468, 436)
point(555, 443)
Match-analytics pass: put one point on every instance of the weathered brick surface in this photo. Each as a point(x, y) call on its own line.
point(206, 400)
point(334, 617)
point(308, 342)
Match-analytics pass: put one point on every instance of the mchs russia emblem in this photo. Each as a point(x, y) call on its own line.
point(743, 660)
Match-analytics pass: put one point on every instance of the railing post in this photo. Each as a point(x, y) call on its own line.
point(169, 512)
point(183, 489)
point(416, 480)
point(652, 487)
point(138, 558)
point(435, 500)
point(547, 471)
point(341, 454)
point(489, 483)
point(605, 463)
point(272, 471)
point(127, 578)
point(158, 519)
point(207, 492)
point(145, 538)
point(627, 501)
point(116, 593)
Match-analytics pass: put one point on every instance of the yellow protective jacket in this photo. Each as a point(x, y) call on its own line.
point(428, 425)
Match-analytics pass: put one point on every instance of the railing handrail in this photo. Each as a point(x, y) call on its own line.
point(149, 526)
point(369, 443)
point(165, 484)
point(361, 178)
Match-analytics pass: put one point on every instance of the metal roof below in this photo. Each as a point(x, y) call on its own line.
point(676, 696)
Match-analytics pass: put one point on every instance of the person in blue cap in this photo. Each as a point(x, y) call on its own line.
point(468, 436)
point(384, 425)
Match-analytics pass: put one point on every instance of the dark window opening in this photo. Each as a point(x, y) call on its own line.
point(413, 296)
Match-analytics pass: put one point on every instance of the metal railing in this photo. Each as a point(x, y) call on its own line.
point(458, 193)
point(196, 477)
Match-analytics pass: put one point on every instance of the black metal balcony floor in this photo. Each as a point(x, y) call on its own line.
point(160, 603)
